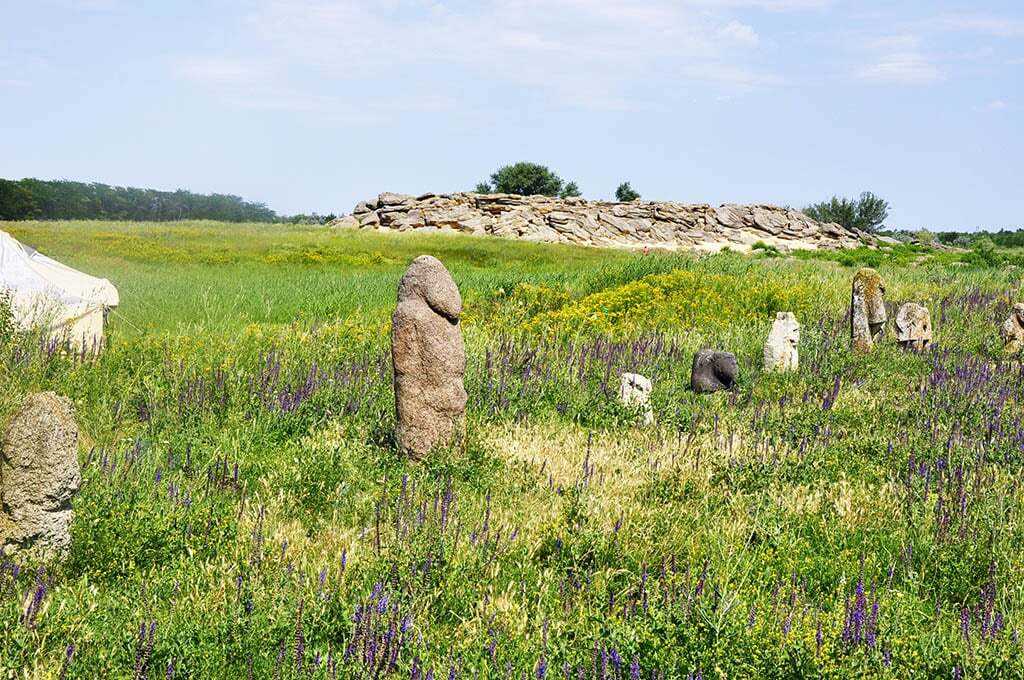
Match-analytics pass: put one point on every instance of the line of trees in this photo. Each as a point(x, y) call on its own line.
point(34, 199)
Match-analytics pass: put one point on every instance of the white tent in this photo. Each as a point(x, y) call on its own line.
point(65, 303)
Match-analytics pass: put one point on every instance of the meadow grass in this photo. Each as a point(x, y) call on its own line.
point(244, 513)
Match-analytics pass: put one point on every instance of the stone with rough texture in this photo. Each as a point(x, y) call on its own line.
point(1012, 330)
point(39, 475)
point(713, 371)
point(345, 222)
point(913, 326)
point(637, 224)
point(781, 348)
point(635, 392)
point(429, 358)
point(867, 310)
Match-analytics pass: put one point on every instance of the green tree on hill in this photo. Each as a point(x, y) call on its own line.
point(527, 179)
point(866, 213)
point(625, 193)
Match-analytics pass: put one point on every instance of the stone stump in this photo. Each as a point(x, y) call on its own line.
point(867, 316)
point(780, 350)
point(635, 392)
point(39, 475)
point(1012, 330)
point(429, 358)
point(713, 371)
point(913, 327)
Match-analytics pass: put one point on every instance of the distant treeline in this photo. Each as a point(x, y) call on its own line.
point(34, 199)
point(1003, 238)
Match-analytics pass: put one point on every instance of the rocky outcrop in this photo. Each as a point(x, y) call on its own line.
point(673, 226)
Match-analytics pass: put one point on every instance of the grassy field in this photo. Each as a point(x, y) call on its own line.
point(244, 514)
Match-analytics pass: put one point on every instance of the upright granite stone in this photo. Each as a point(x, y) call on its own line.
point(780, 350)
point(39, 475)
point(429, 358)
point(635, 391)
point(713, 371)
point(1012, 330)
point(913, 326)
point(867, 317)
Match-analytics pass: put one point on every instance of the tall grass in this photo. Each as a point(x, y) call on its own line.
point(244, 513)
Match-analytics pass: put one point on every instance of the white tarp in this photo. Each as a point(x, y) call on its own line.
point(46, 294)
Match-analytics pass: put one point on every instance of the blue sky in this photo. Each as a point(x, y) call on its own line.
point(317, 104)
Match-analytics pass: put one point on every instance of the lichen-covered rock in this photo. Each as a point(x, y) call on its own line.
point(429, 358)
point(913, 326)
point(1012, 330)
point(713, 371)
point(637, 224)
point(867, 310)
point(39, 475)
point(635, 392)
point(781, 348)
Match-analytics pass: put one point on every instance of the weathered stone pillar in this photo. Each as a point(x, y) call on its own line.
point(781, 348)
point(429, 358)
point(913, 326)
point(39, 475)
point(1012, 330)
point(867, 317)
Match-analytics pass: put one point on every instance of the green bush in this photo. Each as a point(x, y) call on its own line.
point(527, 179)
point(867, 213)
point(625, 193)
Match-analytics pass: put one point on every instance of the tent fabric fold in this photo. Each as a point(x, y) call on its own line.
point(66, 303)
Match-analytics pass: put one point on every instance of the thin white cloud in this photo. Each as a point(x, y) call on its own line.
point(997, 105)
point(587, 53)
point(741, 33)
point(217, 70)
point(900, 42)
point(906, 67)
point(999, 26)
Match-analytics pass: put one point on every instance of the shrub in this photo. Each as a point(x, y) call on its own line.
point(866, 213)
point(625, 193)
point(527, 179)
point(985, 254)
point(768, 250)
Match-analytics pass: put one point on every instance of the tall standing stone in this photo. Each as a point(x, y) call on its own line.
point(635, 392)
point(39, 475)
point(1012, 330)
point(913, 326)
point(867, 317)
point(429, 358)
point(780, 350)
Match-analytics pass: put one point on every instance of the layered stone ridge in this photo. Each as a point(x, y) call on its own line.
point(638, 224)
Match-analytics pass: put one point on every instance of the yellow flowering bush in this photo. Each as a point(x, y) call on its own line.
point(679, 299)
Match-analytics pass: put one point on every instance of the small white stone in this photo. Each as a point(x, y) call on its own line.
point(781, 348)
point(635, 391)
